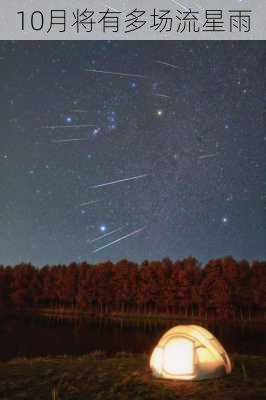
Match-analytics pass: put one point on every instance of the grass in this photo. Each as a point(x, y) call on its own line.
point(122, 377)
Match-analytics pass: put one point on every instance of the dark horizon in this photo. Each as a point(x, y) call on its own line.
point(202, 264)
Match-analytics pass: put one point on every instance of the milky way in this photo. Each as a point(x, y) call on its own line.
point(185, 119)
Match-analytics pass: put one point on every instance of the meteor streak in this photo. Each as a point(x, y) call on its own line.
point(119, 240)
point(162, 95)
point(208, 156)
point(79, 111)
point(134, 178)
point(121, 74)
point(69, 140)
point(68, 126)
point(106, 234)
point(167, 64)
point(89, 203)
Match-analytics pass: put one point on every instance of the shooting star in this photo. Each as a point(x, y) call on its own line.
point(68, 126)
point(88, 203)
point(162, 95)
point(120, 74)
point(119, 240)
point(204, 156)
point(167, 64)
point(106, 234)
point(69, 140)
point(80, 111)
point(134, 178)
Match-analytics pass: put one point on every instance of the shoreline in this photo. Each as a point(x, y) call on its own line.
point(163, 319)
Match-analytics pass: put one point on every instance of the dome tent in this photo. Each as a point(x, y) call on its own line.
point(189, 352)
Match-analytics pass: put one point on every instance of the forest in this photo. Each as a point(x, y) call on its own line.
point(221, 289)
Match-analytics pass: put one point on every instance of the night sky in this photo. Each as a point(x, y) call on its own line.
point(184, 120)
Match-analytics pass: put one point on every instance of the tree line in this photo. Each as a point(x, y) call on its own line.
point(222, 288)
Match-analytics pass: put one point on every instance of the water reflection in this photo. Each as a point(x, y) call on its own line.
point(29, 336)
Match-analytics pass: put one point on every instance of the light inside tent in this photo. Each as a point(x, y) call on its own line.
point(178, 357)
point(156, 359)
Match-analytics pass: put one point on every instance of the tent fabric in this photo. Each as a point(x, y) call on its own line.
point(189, 352)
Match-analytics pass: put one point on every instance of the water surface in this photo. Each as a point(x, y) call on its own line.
point(31, 336)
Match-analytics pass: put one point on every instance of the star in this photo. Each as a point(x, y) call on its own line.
point(159, 113)
point(68, 120)
point(225, 220)
point(103, 228)
point(95, 132)
point(133, 84)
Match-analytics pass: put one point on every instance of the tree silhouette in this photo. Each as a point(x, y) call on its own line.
point(223, 288)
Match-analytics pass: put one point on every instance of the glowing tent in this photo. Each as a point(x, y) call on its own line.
point(189, 352)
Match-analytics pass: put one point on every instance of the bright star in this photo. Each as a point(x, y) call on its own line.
point(68, 120)
point(96, 131)
point(225, 220)
point(159, 113)
point(103, 228)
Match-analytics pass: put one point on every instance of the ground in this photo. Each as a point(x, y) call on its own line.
point(122, 377)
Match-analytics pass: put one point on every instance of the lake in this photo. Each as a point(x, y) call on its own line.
point(31, 336)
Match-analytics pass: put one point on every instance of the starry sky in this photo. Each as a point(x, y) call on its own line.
point(138, 150)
